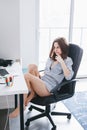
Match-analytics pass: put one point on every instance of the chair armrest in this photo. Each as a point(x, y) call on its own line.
point(65, 82)
point(41, 70)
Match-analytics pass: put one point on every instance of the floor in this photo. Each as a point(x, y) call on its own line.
point(62, 123)
point(4, 124)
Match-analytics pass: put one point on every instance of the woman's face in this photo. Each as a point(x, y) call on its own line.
point(57, 49)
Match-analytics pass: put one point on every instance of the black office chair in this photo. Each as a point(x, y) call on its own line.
point(67, 90)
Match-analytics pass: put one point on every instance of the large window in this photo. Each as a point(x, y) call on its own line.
point(54, 22)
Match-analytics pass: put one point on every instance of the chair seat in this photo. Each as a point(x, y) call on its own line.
point(50, 99)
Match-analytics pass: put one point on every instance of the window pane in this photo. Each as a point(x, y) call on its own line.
point(80, 18)
point(80, 32)
point(54, 22)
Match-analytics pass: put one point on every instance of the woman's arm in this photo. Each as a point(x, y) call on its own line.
point(67, 68)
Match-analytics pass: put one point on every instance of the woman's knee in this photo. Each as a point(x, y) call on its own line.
point(32, 67)
point(26, 76)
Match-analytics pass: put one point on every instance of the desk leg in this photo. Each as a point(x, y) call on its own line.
point(21, 112)
point(16, 101)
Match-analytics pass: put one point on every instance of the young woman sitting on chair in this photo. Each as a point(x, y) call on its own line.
point(58, 67)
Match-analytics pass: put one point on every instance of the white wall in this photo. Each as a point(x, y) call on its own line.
point(29, 22)
point(19, 21)
point(9, 29)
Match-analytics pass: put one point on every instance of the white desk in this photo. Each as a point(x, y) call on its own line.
point(19, 88)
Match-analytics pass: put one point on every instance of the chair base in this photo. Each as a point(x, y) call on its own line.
point(46, 113)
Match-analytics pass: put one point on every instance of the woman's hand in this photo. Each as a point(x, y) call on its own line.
point(59, 58)
point(63, 65)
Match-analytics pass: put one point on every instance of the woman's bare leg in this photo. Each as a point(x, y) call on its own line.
point(15, 113)
point(33, 69)
point(36, 86)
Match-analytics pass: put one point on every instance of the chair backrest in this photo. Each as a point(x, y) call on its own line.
point(75, 52)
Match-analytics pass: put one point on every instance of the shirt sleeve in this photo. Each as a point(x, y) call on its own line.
point(69, 64)
point(48, 62)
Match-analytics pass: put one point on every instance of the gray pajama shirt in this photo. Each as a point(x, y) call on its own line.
point(54, 76)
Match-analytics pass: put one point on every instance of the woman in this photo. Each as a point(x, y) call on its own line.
point(58, 67)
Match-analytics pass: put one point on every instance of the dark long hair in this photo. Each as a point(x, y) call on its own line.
point(64, 48)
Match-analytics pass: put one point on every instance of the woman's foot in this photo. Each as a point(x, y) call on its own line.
point(14, 114)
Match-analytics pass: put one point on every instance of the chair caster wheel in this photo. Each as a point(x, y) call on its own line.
point(69, 116)
point(54, 128)
point(27, 123)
